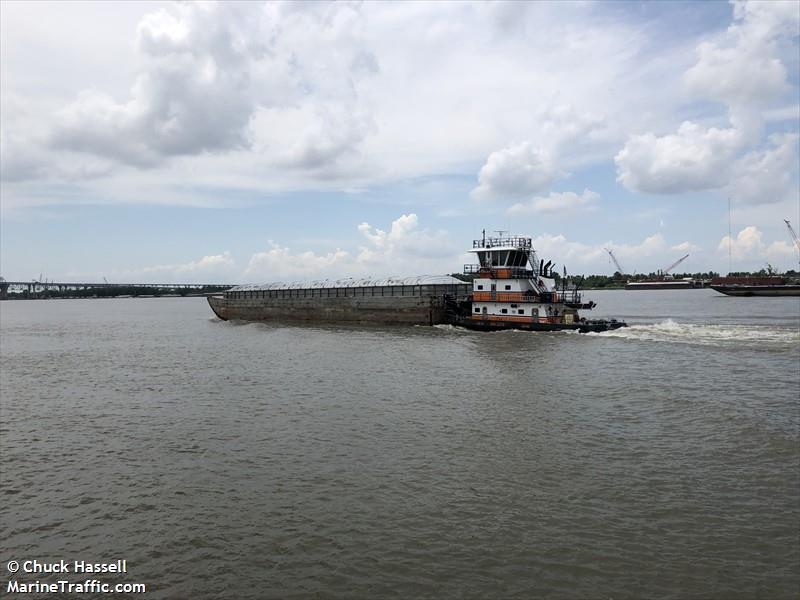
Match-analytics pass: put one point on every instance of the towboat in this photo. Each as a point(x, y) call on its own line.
point(513, 289)
point(510, 289)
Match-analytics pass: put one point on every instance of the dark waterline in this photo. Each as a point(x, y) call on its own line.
point(264, 461)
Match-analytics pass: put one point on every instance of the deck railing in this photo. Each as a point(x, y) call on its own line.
point(494, 242)
point(499, 272)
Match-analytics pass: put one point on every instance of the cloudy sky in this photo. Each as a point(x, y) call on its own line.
point(247, 142)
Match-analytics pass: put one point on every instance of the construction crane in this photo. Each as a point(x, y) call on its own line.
point(794, 237)
point(666, 271)
point(616, 262)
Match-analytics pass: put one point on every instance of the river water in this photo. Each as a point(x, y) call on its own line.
point(269, 461)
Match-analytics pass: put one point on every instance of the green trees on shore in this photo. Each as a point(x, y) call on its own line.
point(114, 292)
point(618, 280)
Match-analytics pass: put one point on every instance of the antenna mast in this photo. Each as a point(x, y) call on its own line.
point(730, 239)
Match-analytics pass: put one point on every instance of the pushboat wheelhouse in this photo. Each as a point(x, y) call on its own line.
point(514, 289)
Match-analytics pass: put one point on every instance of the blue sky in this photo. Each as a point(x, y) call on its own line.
point(249, 142)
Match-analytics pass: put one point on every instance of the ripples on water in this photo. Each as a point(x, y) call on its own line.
point(261, 461)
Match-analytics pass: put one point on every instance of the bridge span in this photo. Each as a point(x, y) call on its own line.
point(72, 289)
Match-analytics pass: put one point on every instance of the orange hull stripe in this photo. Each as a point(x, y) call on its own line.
point(514, 318)
point(501, 297)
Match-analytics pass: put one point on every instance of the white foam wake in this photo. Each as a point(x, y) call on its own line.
point(708, 335)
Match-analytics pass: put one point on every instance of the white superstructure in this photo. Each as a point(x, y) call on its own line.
point(512, 285)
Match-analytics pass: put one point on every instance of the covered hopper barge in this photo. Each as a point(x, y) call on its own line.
point(408, 301)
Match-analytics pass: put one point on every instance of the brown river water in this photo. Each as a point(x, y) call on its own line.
point(229, 460)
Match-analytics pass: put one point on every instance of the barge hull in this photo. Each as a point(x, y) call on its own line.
point(379, 310)
point(757, 290)
point(655, 285)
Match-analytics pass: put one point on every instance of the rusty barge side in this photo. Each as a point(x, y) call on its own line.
point(422, 304)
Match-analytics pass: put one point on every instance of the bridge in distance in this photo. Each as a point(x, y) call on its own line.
point(38, 289)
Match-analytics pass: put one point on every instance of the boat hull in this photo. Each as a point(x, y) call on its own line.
point(758, 290)
point(593, 326)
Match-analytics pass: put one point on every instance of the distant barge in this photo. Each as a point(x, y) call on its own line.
point(664, 284)
point(755, 286)
point(511, 289)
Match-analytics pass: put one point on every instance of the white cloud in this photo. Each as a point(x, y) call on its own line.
point(194, 96)
point(326, 138)
point(557, 202)
point(515, 172)
point(286, 96)
point(581, 257)
point(746, 242)
point(564, 129)
point(561, 133)
point(749, 244)
point(216, 268)
point(403, 250)
point(279, 262)
point(270, 97)
point(780, 250)
point(207, 70)
point(403, 243)
point(650, 254)
point(767, 176)
point(687, 247)
point(742, 69)
point(696, 158)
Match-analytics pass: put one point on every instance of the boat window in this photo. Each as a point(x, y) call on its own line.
point(535, 312)
point(521, 311)
point(508, 287)
point(494, 286)
point(504, 311)
point(477, 310)
point(480, 287)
